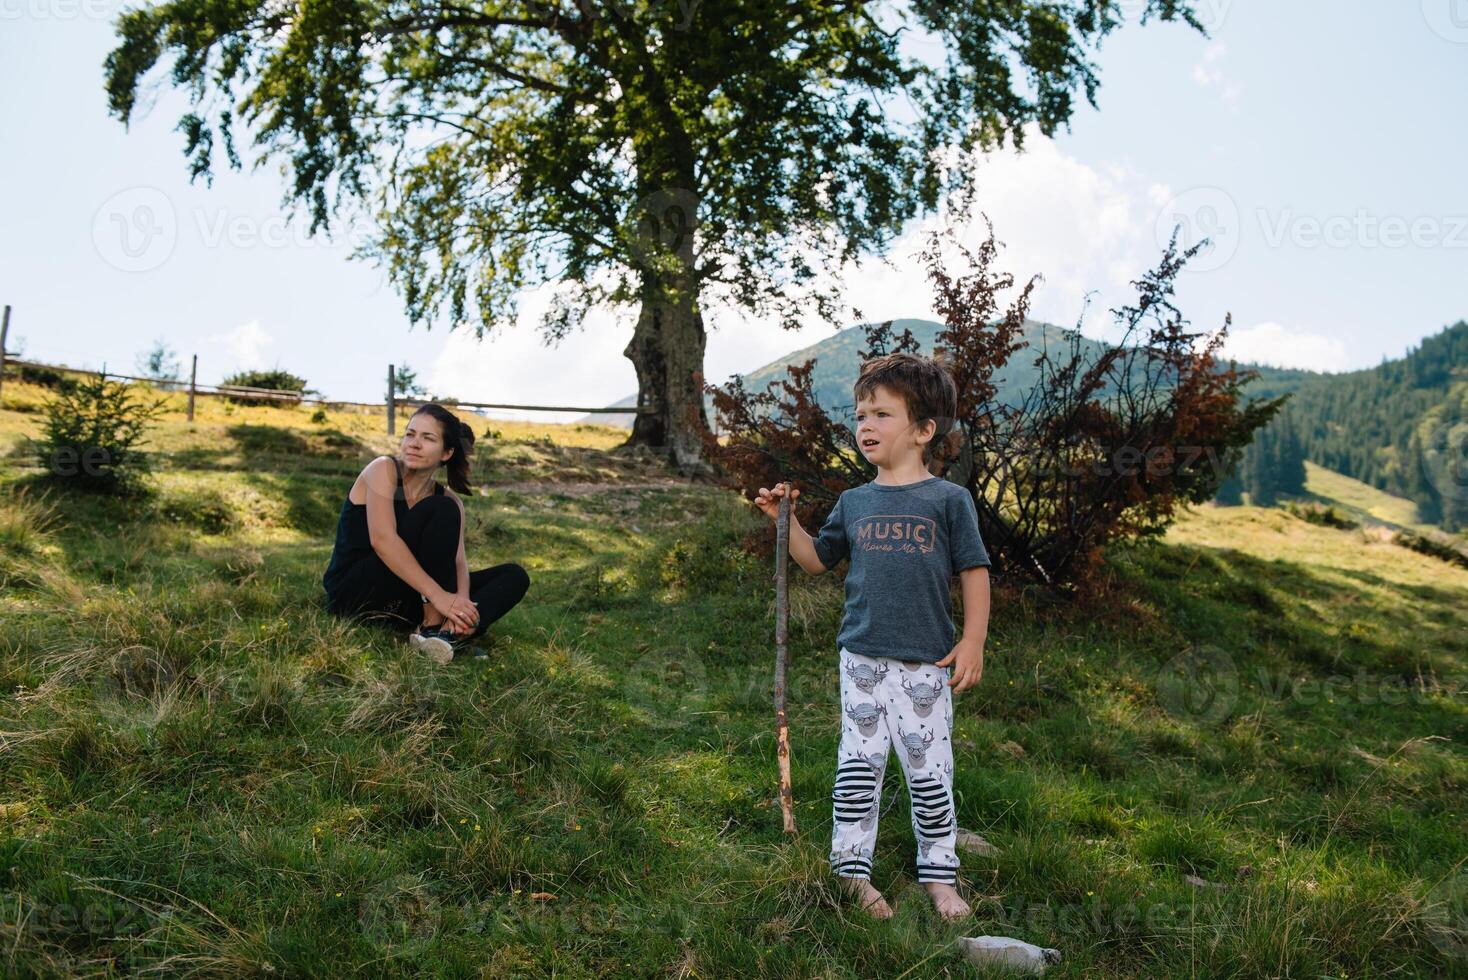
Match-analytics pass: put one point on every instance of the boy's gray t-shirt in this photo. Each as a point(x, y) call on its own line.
point(905, 544)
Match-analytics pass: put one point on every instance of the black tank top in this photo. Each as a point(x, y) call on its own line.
point(353, 540)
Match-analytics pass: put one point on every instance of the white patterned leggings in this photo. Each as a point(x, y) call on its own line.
point(882, 701)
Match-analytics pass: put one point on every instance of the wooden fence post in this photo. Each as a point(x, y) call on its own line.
point(4, 336)
point(193, 385)
point(392, 408)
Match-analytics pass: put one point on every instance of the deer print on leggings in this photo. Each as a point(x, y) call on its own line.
point(865, 676)
point(866, 716)
point(922, 696)
point(916, 746)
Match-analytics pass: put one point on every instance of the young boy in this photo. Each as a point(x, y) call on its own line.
point(907, 533)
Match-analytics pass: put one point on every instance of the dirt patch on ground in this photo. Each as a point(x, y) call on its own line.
point(579, 488)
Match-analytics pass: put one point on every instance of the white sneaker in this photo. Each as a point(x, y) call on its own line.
point(433, 644)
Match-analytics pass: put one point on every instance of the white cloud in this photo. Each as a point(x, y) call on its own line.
point(245, 344)
point(1209, 73)
point(513, 367)
point(1084, 229)
point(1276, 345)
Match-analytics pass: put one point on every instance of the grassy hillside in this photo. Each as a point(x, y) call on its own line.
point(1360, 500)
point(204, 773)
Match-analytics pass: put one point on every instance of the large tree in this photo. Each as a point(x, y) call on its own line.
point(663, 156)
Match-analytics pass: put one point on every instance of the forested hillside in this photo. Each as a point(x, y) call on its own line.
point(1399, 427)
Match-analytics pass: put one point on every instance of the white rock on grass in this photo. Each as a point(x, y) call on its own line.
point(1016, 954)
point(1013, 749)
point(970, 841)
point(1197, 882)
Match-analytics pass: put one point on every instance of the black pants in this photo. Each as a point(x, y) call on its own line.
point(431, 531)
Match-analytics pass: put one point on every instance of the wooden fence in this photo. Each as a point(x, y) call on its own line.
point(389, 406)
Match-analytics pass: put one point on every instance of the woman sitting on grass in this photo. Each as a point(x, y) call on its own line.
point(400, 543)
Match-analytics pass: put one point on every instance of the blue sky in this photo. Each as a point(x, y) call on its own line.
point(1321, 144)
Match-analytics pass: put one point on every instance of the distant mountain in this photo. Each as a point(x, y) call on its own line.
point(616, 418)
point(837, 361)
point(837, 365)
point(1394, 427)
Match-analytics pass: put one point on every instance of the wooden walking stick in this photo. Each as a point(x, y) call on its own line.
point(782, 617)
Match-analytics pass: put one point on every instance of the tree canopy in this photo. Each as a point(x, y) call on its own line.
point(662, 155)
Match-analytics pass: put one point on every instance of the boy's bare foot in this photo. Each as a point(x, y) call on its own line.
point(947, 901)
point(871, 900)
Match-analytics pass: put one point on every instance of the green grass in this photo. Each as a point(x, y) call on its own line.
point(1361, 499)
point(203, 773)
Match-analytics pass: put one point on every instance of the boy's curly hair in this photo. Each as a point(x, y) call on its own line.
point(925, 384)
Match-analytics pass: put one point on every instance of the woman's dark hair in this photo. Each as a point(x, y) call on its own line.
point(456, 436)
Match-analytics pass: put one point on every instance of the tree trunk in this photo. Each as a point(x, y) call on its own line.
point(667, 350)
